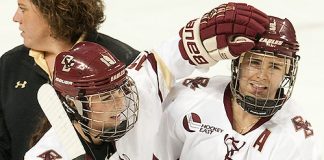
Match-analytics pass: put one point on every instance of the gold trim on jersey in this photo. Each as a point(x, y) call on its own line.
point(168, 77)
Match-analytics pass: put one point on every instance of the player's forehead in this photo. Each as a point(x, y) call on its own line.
point(263, 57)
point(115, 92)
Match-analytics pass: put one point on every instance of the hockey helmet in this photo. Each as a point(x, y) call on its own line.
point(89, 74)
point(279, 41)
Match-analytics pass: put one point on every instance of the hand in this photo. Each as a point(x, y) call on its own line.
point(225, 32)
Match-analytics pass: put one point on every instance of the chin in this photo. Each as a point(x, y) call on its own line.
point(27, 44)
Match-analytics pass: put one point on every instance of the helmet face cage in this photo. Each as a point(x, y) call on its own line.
point(108, 115)
point(262, 82)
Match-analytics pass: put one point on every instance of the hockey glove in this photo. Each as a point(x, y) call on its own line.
point(225, 32)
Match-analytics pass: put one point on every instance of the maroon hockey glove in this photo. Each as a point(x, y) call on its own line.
point(225, 32)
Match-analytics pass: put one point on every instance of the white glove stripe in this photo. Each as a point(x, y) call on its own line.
point(193, 45)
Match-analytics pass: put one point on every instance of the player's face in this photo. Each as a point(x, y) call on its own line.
point(261, 75)
point(34, 28)
point(106, 109)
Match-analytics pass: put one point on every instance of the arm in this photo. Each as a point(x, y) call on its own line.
point(225, 32)
point(4, 134)
point(299, 149)
point(4, 138)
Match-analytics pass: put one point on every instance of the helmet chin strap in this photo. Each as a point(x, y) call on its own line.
point(118, 132)
point(250, 104)
point(72, 113)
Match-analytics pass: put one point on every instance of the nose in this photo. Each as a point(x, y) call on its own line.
point(17, 16)
point(264, 73)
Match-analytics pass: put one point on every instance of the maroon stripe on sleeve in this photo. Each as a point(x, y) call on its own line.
point(152, 60)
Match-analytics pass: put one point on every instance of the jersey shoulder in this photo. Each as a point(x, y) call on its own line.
point(194, 92)
point(292, 126)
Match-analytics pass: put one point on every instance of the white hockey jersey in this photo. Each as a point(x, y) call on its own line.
point(48, 147)
point(197, 125)
point(154, 75)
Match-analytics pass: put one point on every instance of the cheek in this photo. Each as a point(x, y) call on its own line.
point(276, 80)
point(36, 37)
point(245, 74)
point(101, 107)
point(38, 25)
point(275, 84)
point(42, 32)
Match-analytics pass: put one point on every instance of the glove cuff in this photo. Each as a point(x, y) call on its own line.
point(193, 46)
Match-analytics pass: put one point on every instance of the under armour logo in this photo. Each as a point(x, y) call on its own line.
point(21, 84)
point(194, 83)
point(50, 155)
point(232, 146)
point(68, 62)
point(299, 124)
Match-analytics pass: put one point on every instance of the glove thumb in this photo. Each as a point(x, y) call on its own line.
point(240, 45)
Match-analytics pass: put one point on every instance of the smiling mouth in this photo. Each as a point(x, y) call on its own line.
point(258, 89)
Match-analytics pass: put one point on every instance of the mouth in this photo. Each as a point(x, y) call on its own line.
point(258, 89)
point(22, 33)
point(115, 117)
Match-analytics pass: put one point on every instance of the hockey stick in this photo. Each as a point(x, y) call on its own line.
point(61, 124)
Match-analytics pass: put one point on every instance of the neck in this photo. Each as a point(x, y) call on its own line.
point(242, 121)
point(53, 50)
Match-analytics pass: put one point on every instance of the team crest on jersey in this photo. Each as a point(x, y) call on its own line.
point(300, 124)
point(196, 82)
point(192, 123)
point(233, 145)
point(50, 155)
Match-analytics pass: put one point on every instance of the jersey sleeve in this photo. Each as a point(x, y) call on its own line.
point(170, 55)
point(4, 135)
point(163, 66)
point(294, 149)
point(48, 145)
point(4, 138)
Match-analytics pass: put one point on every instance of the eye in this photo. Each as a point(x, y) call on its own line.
point(22, 9)
point(255, 62)
point(276, 66)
